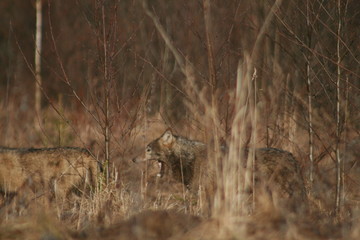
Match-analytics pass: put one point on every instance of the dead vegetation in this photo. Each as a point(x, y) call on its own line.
point(269, 88)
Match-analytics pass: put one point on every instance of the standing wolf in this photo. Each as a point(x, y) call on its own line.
point(179, 157)
point(277, 172)
point(52, 172)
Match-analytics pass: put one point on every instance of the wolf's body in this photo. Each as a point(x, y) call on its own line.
point(277, 171)
point(51, 172)
point(179, 156)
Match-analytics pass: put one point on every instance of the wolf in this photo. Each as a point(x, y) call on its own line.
point(277, 172)
point(177, 156)
point(52, 172)
point(183, 161)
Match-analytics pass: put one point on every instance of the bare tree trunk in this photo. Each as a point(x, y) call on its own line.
point(338, 128)
point(212, 75)
point(209, 44)
point(311, 133)
point(38, 47)
point(107, 96)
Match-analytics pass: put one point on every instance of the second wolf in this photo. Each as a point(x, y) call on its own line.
point(277, 171)
point(52, 172)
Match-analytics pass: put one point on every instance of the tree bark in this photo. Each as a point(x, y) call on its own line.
point(338, 127)
point(38, 47)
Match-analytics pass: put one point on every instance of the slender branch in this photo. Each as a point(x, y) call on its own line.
point(209, 44)
point(163, 76)
point(63, 117)
point(317, 54)
point(65, 78)
point(309, 86)
point(261, 34)
point(338, 127)
point(180, 60)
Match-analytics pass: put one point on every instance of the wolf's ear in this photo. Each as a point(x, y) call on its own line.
point(167, 138)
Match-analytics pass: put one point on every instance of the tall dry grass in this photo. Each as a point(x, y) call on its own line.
point(258, 101)
point(137, 188)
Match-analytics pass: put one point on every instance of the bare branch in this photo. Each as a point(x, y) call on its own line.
point(183, 63)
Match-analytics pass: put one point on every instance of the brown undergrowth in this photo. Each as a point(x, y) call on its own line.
point(140, 204)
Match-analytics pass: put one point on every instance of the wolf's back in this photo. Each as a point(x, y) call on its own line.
point(46, 170)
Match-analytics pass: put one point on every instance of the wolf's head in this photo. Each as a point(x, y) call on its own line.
point(157, 149)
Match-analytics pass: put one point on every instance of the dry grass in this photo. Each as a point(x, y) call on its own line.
point(137, 204)
point(244, 101)
point(140, 205)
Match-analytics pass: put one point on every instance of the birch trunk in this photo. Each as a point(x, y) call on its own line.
point(38, 47)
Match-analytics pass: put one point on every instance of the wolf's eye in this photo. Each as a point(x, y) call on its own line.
point(148, 149)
